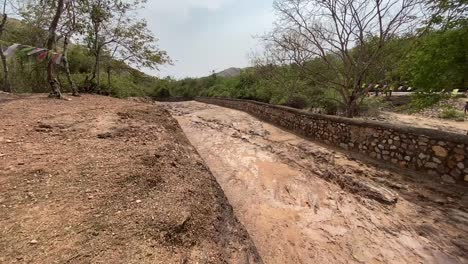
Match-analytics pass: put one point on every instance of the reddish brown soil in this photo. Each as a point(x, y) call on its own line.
point(102, 180)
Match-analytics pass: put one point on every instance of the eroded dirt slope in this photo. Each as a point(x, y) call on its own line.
point(102, 180)
point(304, 203)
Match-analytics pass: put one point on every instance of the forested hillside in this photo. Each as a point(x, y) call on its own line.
point(103, 43)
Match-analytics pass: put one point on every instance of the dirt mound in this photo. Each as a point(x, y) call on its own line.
point(101, 180)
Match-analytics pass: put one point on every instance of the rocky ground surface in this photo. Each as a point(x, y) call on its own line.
point(436, 110)
point(302, 202)
point(102, 180)
point(418, 120)
point(428, 118)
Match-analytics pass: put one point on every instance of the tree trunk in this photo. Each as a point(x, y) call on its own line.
point(54, 84)
point(351, 107)
point(73, 86)
point(97, 54)
point(98, 69)
point(109, 87)
point(6, 77)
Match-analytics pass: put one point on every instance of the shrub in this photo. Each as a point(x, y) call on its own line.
point(452, 114)
point(371, 106)
point(162, 93)
point(297, 102)
point(421, 101)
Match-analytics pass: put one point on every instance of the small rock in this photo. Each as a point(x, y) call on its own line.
point(138, 201)
point(33, 242)
point(44, 126)
point(431, 165)
point(105, 135)
point(440, 151)
point(448, 179)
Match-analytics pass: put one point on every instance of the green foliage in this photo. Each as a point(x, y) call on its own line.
point(438, 63)
point(447, 13)
point(452, 114)
point(421, 101)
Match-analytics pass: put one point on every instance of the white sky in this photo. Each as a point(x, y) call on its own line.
point(205, 35)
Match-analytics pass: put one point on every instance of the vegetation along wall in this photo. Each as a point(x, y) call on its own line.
point(436, 153)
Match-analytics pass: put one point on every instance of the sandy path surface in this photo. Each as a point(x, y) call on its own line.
point(460, 127)
point(302, 203)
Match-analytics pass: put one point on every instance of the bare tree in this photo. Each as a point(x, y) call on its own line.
point(6, 79)
point(51, 42)
point(70, 28)
point(347, 35)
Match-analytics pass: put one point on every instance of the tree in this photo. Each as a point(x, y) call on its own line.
point(447, 14)
point(133, 44)
point(112, 31)
point(98, 12)
point(70, 26)
point(439, 62)
point(337, 32)
point(6, 80)
point(51, 42)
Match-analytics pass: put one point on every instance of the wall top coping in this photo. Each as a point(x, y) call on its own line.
point(418, 131)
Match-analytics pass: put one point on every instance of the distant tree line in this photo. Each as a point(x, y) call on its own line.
point(330, 54)
point(326, 54)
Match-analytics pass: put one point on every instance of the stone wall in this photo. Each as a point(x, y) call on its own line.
point(173, 99)
point(432, 152)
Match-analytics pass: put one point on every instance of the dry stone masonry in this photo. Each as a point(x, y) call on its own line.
point(432, 152)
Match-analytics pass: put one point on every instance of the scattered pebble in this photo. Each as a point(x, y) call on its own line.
point(138, 201)
point(33, 242)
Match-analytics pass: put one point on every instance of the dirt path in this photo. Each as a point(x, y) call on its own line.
point(303, 203)
point(102, 180)
point(460, 127)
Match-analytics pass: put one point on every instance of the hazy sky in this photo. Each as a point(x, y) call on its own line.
point(205, 35)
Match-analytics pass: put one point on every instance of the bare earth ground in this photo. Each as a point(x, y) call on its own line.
point(460, 127)
point(102, 180)
point(428, 118)
point(304, 203)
